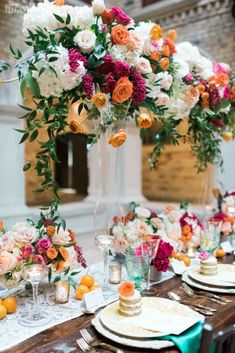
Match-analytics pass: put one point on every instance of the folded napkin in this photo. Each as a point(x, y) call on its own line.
point(189, 340)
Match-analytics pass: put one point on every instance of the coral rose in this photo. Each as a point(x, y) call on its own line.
point(155, 55)
point(127, 289)
point(132, 43)
point(119, 35)
point(107, 16)
point(99, 100)
point(171, 45)
point(171, 34)
point(205, 96)
point(64, 253)
point(123, 90)
point(75, 126)
point(201, 88)
point(72, 235)
point(145, 121)
point(59, 2)
point(166, 50)
point(118, 139)
point(164, 63)
point(52, 253)
point(222, 79)
point(156, 32)
point(50, 230)
point(232, 94)
point(60, 266)
point(1, 226)
point(227, 136)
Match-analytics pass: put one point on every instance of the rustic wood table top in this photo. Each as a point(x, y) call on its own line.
point(62, 338)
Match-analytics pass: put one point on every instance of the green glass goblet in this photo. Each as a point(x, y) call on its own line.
point(137, 267)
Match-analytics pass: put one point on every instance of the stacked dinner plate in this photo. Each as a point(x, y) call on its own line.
point(159, 317)
point(222, 282)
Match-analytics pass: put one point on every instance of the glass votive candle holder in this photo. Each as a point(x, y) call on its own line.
point(115, 272)
point(62, 290)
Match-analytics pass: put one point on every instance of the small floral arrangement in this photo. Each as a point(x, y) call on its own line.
point(130, 231)
point(162, 260)
point(181, 226)
point(225, 211)
point(45, 242)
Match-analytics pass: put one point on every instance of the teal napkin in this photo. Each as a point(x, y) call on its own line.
point(189, 340)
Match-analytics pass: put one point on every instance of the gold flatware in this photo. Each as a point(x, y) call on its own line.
point(97, 343)
point(84, 346)
point(176, 297)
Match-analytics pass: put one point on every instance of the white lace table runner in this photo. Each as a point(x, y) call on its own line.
point(12, 333)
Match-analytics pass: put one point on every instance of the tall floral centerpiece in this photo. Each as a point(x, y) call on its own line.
point(98, 62)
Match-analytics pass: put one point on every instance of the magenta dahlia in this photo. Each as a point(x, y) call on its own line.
point(139, 88)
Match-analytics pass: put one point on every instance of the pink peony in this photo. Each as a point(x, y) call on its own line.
point(226, 94)
point(204, 255)
point(39, 259)
point(26, 252)
point(220, 68)
point(120, 16)
point(164, 250)
point(161, 265)
point(44, 243)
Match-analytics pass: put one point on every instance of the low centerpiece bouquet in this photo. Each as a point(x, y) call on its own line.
point(45, 242)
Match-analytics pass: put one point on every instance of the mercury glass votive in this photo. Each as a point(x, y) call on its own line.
point(115, 272)
point(62, 290)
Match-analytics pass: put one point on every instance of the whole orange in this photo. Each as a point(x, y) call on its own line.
point(10, 304)
point(3, 311)
point(81, 291)
point(0, 301)
point(219, 253)
point(94, 287)
point(187, 260)
point(87, 280)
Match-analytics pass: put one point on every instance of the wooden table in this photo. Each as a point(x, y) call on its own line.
point(62, 338)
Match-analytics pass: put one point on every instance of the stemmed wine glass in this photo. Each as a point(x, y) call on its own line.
point(105, 244)
point(34, 274)
point(152, 243)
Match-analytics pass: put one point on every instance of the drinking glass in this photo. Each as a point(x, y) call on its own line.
point(105, 244)
point(34, 274)
point(210, 236)
point(137, 267)
point(152, 243)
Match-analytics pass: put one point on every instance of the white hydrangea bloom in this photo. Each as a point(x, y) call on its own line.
point(121, 53)
point(164, 80)
point(66, 80)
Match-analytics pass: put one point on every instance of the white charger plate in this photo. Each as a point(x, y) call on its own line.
point(113, 321)
point(146, 343)
point(216, 280)
point(188, 280)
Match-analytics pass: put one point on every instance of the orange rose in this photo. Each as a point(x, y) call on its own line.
point(99, 100)
point(166, 50)
point(205, 96)
point(172, 35)
point(227, 136)
point(204, 104)
point(1, 226)
point(51, 253)
point(75, 126)
point(59, 266)
point(119, 35)
point(145, 121)
point(156, 32)
point(63, 252)
point(107, 16)
point(59, 2)
point(201, 88)
point(127, 289)
point(232, 94)
point(222, 79)
point(164, 63)
point(171, 45)
point(122, 91)
point(186, 238)
point(155, 55)
point(118, 139)
point(50, 230)
point(212, 84)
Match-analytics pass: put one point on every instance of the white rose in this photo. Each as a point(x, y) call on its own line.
point(164, 80)
point(163, 99)
point(62, 237)
point(142, 212)
point(118, 231)
point(85, 40)
point(182, 67)
point(85, 17)
point(144, 66)
point(7, 241)
point(98, 7)
point(7, 262)
point(24, 233)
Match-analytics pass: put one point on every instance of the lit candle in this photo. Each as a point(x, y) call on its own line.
point(115, 271)
point(62, 290)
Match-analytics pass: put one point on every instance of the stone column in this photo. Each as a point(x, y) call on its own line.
point(12, 185)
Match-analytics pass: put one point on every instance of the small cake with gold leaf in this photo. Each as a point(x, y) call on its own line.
point(129, 300)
